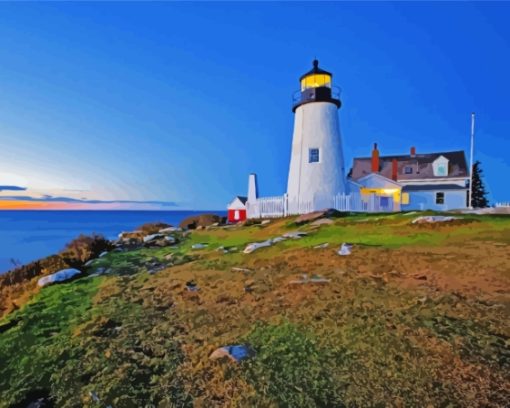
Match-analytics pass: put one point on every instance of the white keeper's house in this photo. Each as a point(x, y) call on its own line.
point(318, 180)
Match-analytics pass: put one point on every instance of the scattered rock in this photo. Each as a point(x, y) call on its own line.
point(345, 249)
point(257, 245)
point(102, 254)
point(94, 396)
point(278, 239)
point(243, 270)
point(199, 246)
point(265, 222)
point(321, 246)
point(89, 262)
point(420, 277)
point(192, 286)
point(319, 279)
point(153, 237)
point(427, 219)
point(295, 235)
point(313, 279)
point(60, 276)
point(235, 353)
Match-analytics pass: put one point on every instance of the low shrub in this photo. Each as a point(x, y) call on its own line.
point(31, 270)
point(82, 249)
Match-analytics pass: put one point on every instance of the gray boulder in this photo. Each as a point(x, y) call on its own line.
point(60, 276)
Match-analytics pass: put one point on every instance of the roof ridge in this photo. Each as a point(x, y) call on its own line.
point(409, 156)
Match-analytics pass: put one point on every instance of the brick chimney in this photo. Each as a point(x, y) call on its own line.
point(394, 170)
point(413, 151)
point(375, 159)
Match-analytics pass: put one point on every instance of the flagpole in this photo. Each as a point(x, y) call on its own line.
point(471, 160)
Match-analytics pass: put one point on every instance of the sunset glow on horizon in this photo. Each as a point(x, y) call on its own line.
point(49, 206)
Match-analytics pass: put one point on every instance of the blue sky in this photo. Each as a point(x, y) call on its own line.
point(179, 102)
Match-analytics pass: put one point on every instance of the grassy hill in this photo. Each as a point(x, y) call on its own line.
point(417, 315)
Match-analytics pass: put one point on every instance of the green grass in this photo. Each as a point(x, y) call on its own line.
point(367, 343)
point(292, 369)
point(42, 337)
point(386, 230)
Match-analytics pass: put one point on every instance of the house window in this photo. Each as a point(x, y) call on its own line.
point(440, 198)
point(408, 170)
point(440, 166)
point(313, 155)
point(405, 198)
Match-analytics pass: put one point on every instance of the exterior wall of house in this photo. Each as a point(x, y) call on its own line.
point(236, 205)
point(426, 200)
point(316, 126)
point(236, 215)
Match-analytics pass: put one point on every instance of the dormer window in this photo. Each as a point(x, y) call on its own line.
point(440, 167)
point(441, 170)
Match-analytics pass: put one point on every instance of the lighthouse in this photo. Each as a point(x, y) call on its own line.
point(316, 173)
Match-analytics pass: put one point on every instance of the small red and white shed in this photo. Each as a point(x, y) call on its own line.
point(237, 209)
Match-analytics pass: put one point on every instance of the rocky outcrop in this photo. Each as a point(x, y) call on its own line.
point(201, 221)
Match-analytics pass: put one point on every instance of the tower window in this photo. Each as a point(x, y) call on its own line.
point(408, 170)
point(440, 198)
point(313, 155)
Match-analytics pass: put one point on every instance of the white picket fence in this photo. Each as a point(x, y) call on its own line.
point(501, 205)
point(280, 206)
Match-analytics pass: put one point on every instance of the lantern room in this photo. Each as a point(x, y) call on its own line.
point(315, 78)
point(316, 86)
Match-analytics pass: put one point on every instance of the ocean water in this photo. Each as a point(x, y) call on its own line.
point(29, 235)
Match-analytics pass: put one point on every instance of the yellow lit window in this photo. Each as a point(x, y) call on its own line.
point(315, 80)
point(405, 198)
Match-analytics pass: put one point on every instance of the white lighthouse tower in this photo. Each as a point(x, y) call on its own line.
point(316, 171)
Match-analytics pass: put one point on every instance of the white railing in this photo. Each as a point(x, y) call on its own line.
point(504, 204)
point(268, 207)
point(275, 207)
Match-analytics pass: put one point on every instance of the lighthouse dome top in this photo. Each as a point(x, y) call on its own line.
point(316, 77)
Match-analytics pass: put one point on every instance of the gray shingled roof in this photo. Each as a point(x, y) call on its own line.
point(421, 165)
point(433, 187)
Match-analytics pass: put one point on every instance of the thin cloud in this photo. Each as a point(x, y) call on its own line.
point(48, 198)
point(12, 188)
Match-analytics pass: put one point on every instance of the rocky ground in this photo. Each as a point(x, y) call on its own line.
point(415, 316)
